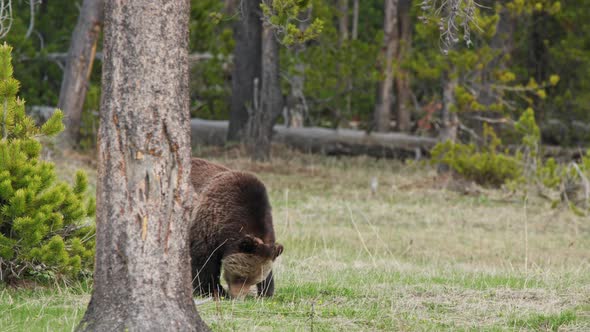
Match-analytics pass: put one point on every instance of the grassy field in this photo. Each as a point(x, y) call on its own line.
point(413, 256)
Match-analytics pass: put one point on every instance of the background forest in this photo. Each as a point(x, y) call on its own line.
point(451, 189)
point(518, 54)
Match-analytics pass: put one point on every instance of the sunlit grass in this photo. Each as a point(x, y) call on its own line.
point(412, 256)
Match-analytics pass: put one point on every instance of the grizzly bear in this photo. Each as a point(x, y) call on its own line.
point(232, 231)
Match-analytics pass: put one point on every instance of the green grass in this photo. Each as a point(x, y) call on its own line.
point(414, 256)
point(41, 309)
point(552, 322)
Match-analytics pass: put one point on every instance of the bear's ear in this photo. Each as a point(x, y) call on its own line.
point(249, 244)
point(278, 250)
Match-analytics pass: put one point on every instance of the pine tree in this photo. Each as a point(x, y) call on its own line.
point(45, 231)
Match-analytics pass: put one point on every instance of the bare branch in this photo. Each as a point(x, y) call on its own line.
point(453, 16)
point(32, 4)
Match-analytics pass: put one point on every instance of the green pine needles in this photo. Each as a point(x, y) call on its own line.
point(46, 231)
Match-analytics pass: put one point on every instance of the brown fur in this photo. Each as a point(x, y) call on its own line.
point(233, 220)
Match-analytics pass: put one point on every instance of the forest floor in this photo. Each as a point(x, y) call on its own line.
point(415, 255)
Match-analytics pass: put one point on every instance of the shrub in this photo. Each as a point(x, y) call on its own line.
point(486, 166)
point(523, 170)
point(45, 229)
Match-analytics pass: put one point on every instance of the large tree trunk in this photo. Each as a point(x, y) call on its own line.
point(247, 66)
point(79, 67)
point(402, 79)
point(385, 67)
point(142, 278)
point(264, 114)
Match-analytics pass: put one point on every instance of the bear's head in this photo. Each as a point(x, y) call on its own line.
point(248, 263)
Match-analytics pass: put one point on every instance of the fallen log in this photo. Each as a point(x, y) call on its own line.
point(325, 141)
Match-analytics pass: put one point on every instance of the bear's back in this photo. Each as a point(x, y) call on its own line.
point(203, 171)
point(234, 203)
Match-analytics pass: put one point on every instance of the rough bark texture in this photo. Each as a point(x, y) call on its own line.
point(325, 141)
point(386, 57)
point(263, 117)
point(79, 66)
point(247, 65)
point(402, 79)
point(142, 276)
point(296, 107)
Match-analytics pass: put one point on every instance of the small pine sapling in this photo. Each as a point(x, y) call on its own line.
point(45, 225)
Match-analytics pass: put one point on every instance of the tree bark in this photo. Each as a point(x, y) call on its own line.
point(402, 79)
point(385, 67)
point(142, 278)
point(247, 66)
point(263, 116)
point(79, 67)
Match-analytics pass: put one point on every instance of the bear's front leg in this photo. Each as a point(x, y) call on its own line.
point(206, 278)
point(266, 287)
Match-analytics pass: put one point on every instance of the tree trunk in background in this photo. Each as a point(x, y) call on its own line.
point(344, 83)
point(385, 67)
point(229, 6)
point(355, 20)
point(79, 67)
point(247, 66)
point(142, 278)
point(402, 79)
point(354, 36)
point(264, 114)
point(343, 20)
point(449, 118)
point(296, 107)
